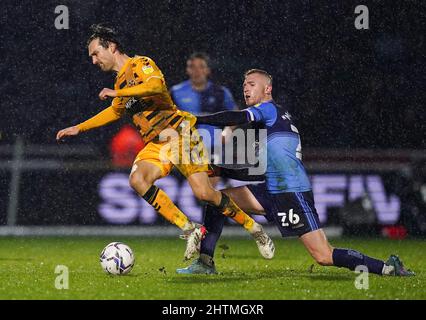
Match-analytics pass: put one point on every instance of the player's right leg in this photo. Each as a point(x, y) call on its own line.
point(150, 166)
point(142, 178)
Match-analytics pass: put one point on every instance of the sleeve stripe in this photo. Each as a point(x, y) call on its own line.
point(251, 115)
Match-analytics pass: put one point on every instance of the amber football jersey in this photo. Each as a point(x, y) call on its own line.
point(153, 113)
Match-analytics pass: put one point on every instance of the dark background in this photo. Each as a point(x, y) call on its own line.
point(346, 87)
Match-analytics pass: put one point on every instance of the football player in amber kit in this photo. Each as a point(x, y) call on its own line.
point(140, 90)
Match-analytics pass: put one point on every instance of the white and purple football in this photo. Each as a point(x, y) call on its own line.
point(117, 258)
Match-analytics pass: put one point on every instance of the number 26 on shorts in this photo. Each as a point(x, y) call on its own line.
point(291, 217)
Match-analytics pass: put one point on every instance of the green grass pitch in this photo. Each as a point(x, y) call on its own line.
point(27, 271)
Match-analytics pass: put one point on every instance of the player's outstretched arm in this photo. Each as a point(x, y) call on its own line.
point(102, 118)
point(242, 174)
point(70, 131)
point(225, 118)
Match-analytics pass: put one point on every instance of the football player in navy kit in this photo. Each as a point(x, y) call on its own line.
point(286, 196)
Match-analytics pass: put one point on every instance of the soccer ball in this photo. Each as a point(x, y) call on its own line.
point(117, 258)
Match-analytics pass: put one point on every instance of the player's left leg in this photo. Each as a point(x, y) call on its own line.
point(249, 199)
point(296, 215)
point(204, 191)
point(317, 245)
point(204, 264)
point(191, 160)
point(324, 254)
point(214, 221)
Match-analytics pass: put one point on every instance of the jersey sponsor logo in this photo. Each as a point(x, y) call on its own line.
point(147, 69)
point(130, 103)
point(286, 116)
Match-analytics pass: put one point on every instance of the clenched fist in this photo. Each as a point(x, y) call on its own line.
point(70, 131)
point(105, 93)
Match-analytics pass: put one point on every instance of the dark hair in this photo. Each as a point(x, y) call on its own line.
point(105, 35)
point(200, 55)
point(263, 72)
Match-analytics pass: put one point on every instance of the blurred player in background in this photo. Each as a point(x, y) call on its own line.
point(140, 91)
point(198, 95)
point(286, 196)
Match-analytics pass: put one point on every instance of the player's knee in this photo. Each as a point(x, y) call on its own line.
point(322, 261)
point(134, 179)
point(138, 182)
point(204, 194)
point(323, 258)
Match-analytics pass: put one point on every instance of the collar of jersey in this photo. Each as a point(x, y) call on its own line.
point(258, 104)
point(124, 67)
point(209, 84)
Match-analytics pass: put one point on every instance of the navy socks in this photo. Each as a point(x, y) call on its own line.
point(213, 221)
point(350, 259)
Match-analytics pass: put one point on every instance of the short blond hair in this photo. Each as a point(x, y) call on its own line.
point(260, 71)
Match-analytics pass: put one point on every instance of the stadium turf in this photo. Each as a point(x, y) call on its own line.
point(27, 271)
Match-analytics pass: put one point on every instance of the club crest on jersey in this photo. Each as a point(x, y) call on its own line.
point(147, 69)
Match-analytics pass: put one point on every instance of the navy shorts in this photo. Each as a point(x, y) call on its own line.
point(293, 213)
